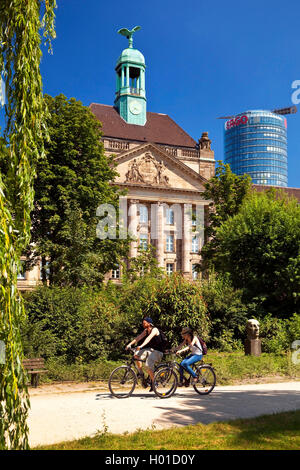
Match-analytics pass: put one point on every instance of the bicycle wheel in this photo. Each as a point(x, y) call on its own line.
point(122, 382)
point(163, 365)
point(165, 382)
point(206, 380)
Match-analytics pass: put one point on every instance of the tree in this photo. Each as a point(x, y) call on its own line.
point(73, 180)
point(20, 54)
point(144, 264)
point(226, 191)
point(260, 249)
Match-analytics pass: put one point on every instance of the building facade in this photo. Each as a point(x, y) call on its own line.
point(256, 144)
point(163, 169)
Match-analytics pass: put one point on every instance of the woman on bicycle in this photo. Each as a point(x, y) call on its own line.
point(192, 343)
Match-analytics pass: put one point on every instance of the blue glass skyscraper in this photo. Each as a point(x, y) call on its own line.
point(256, 144)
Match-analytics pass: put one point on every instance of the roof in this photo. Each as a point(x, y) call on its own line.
point(295, 192)
point(159, 128)
point(131, 55)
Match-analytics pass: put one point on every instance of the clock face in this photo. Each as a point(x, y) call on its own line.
point(135, 107)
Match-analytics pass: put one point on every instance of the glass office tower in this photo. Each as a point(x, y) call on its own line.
point(256, 144)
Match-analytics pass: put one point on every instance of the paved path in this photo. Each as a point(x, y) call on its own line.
point(57, 417)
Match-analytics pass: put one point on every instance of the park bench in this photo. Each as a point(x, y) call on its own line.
point(34, 366)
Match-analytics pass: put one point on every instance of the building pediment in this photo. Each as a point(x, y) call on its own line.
point(149, 165)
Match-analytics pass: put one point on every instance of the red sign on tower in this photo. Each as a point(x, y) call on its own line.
point(236, 122)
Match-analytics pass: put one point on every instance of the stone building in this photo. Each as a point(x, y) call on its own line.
point(163, 168)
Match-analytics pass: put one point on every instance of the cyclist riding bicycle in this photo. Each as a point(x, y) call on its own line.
point(150, 351)
point(192, 343)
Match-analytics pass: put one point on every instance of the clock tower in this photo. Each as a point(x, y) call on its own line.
point(130, 98)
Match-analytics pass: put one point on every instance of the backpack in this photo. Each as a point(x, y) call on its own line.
point(165, 343)
point(203, 346)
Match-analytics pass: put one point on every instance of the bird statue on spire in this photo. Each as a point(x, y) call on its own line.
point(128, 34)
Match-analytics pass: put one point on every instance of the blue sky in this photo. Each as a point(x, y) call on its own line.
point(204, 59)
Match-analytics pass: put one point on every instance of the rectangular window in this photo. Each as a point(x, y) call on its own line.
point(143, 241)
point(170, 269)
point(47, 266)
point(169, 216)
point(195, 244)
point(194, 220)
point(170, 243)
point(143, 214)
point(22, 272)
point(195, 274)
point(115, 274)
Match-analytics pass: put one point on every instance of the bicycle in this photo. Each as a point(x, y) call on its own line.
point(206, 378)
point(123, 380)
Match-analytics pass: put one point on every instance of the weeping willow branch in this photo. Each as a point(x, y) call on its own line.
point(22, 25)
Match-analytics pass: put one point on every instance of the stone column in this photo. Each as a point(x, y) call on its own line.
point(253, 347)
point(133, 227)
point(142, 78)
point(127, 77)
point(122, 77)
point(186, 240)
point(160, 235)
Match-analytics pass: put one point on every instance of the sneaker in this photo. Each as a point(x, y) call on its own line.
point(180, 384)
point(148, 380)
point(151, 388)
point(143, 380)
point(187, 382)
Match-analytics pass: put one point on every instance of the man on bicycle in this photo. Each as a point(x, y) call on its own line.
point(149, 351)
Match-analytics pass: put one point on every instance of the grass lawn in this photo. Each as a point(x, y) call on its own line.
point(271, 432)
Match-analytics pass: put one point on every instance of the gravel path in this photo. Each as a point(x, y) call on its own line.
point(68, 413)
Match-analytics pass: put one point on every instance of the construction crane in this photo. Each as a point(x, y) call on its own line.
point(282, 111)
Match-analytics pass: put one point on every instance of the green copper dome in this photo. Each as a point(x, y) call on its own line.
point(131, 55)
point(130, 97)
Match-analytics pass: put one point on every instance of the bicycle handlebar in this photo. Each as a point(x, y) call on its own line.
point(130, 349)
point(168, 351)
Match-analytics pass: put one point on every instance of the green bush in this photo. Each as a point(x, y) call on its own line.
point(227, 313)
point(277, 335)
point(273, 334)
point(81, 325)
point(71, 323)
point(294, 328)
point(172, 302)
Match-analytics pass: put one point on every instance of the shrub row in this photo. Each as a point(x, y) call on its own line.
point(81, 325)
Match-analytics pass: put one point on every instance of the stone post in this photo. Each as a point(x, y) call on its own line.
point(252, 343)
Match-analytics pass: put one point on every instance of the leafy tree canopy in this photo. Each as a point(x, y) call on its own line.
point(226, 191)
point(260, 249)
point(20, 24)
point(73, 180)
